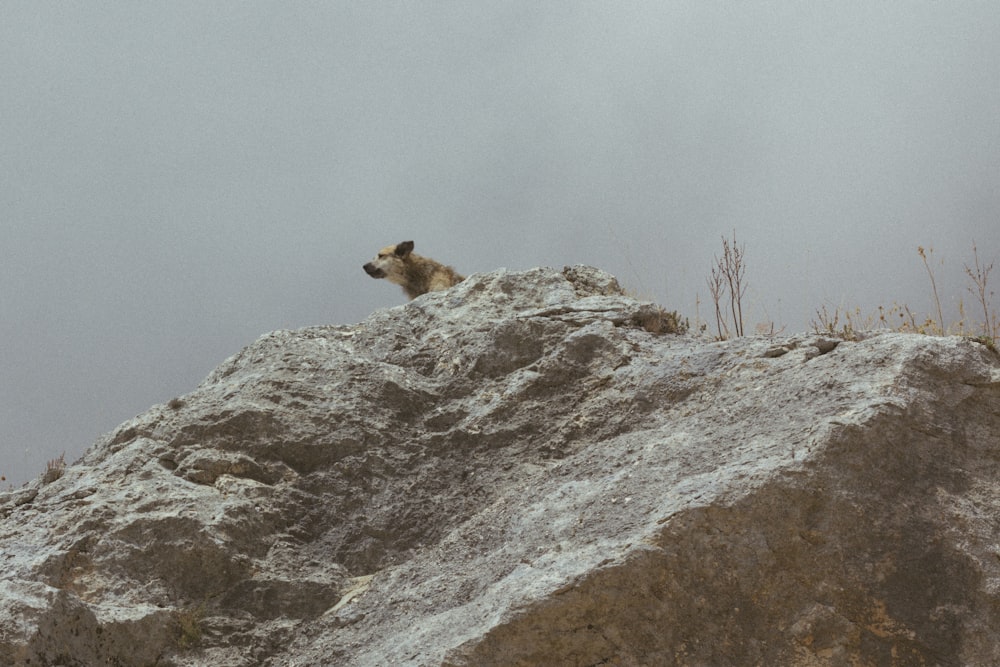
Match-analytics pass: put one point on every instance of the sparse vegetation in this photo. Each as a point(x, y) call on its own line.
point(726, 282)
point(54, 469)
point(727, 287)
point(656, 319)
point(662, 321)
point(930, 273)
point(840, 323)
point(979, 274)
point(848, 324)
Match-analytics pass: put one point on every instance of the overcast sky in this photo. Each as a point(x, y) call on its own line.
point(178, 178)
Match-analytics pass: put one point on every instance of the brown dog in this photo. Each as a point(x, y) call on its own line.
point(417, 275)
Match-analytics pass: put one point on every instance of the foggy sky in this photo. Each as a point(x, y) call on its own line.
point(178, 178)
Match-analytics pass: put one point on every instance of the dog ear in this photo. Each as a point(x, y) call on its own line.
point(403, 249)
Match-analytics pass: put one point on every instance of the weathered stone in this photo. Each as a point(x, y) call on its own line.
point(516, 472)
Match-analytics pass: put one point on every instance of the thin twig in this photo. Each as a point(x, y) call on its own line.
point(980, 279)
point(715, 288)
point(937, 300)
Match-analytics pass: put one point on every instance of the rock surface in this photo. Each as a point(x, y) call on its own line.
point(515, 472)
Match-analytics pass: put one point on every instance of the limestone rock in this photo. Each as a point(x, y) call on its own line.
point(515, 472)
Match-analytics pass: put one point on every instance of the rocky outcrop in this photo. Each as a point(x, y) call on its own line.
point(524, 470)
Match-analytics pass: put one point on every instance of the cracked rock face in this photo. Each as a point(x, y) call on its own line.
point(515, 472)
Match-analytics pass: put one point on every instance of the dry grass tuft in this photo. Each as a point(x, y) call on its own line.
point(658, 320)
point(54, 469)
point(848, 324)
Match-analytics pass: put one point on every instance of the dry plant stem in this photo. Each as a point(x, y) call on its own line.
point(824, 322)
point(937, 300)
point(901, 318)
point(980, 278)
point(715, 288)
point(724, 269)
point(727, 278)
point(733, 268)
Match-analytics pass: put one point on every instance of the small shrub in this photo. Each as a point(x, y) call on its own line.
point(662, 321)
point(848, 324)
point(54, 469)
point(726, 281)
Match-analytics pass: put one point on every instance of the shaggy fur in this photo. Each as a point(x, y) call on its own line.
point(415, 274)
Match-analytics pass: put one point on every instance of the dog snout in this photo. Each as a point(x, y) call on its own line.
point(373, 270)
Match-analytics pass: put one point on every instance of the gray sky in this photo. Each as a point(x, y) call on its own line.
point(177, 178)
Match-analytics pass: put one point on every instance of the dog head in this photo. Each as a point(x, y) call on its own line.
point(389, 261)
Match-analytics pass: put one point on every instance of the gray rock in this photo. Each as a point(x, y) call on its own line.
point(515, 472)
